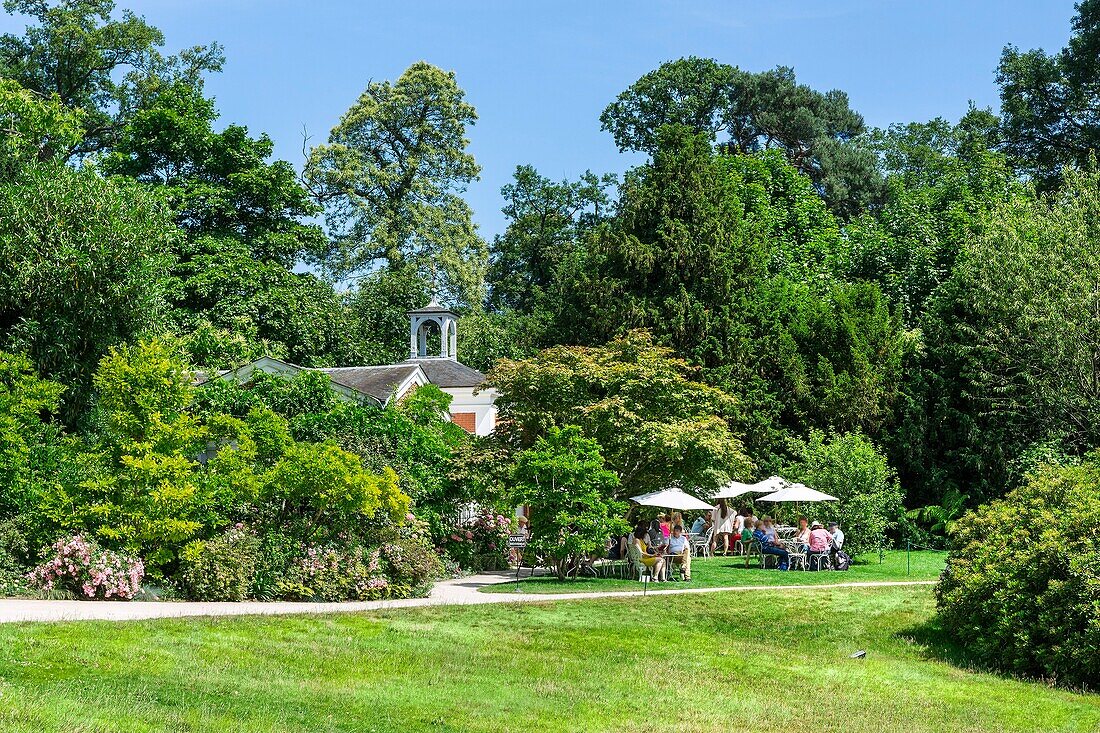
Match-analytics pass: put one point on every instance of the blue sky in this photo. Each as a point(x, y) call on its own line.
point(541, 73)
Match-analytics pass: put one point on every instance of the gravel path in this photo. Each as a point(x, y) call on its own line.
point(460, 592)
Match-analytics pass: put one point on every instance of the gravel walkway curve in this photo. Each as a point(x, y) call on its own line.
point(463, 591)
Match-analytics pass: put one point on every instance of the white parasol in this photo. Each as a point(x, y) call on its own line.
point(671, 498)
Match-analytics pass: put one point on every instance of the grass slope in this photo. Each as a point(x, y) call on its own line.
point(718, 572)
point(715, 662)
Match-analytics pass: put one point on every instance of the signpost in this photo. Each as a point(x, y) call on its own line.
point(518, 542)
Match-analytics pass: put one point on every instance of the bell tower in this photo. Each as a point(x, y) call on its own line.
point(424, 323)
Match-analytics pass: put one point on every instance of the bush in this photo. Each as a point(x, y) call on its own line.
point(848, 466)
point(481, 542)
point(331, 573)
point(220, 569)
point(13, 549)
point(1022, 586)
point(411, 566)
point(86, 570)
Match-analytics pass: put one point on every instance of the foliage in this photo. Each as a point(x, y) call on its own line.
point(28, 437)
point(391, 176)
point(82, 268)
point(410, 562)
point(322, 490)
point(547, 221)
point(1020, 591)
point(103, 69)
point(481, 542)
point(14, 552)
point(573, 513)
point(940, 518)
point(36, 126)
point(817, 132)
point(86, 570)
point(1048, 101)
point(849, 467)
point(654, 425)
point(1011, 341)
point(332, 573)
point(221, 568)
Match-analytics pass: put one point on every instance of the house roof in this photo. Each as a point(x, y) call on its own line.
point(377, 381)
point(431, 309)
point(448, 372)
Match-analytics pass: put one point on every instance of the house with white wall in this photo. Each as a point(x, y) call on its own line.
point(472, 409)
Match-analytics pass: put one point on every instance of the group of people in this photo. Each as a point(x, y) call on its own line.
point(656, 548)
point(662, 545)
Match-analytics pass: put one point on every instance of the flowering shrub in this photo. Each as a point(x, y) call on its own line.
point(411, 565)
point(480, 543)
point(220, 569)
point(330, 573)
point(85, 569)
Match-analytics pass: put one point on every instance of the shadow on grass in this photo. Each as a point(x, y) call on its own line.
point(935, 643)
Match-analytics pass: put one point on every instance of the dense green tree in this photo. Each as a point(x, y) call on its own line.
point(818, 132)
point(546, 221)
point(34, 126)
point(83, 265)
point(563, 479)
point(379, 304)
point(849, 467)
point(391, 177)
point(1011, 342)
point(108, 68)
point(943, 182)
point(679, 258)
point(1049, 102)
point(654, 424)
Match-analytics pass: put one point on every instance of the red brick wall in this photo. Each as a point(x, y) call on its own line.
point(465, 420)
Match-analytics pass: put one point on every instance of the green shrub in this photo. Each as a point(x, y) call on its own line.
point(411, 564)
point(1022, 585)
point(848, 466)
point(13, 553)
point(220, 569)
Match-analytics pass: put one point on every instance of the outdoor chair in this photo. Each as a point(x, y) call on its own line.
point(753, 548)
point(820, 561)
point(795, 555)
point(700, 544)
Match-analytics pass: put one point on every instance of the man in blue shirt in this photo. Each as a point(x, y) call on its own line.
point(771, 547)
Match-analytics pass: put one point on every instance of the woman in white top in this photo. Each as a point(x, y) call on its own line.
point(722, 519)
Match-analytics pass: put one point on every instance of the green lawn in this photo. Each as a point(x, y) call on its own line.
point(720, 572)
point(714, 662)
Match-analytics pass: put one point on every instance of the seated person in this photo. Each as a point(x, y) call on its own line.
point(680, 548)
point(820, 540)
point(653, 536)
point(771, 547)
point(837, 536)
point(803, 535)
point(697, 527)
point(769, 529)
point(640, 557)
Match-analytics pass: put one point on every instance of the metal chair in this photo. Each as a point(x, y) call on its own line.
point(822, 560)
point(700, 545)
point(795, 555)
